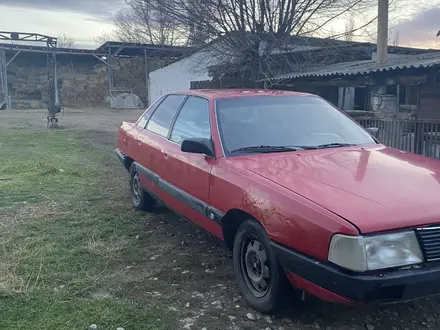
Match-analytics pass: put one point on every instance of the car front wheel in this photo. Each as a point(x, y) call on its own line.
point(140, 199)
point(260, 277)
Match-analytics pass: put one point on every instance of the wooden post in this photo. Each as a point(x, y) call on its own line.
point(110, 75)
point(4, 79)
point(147, 79)
point(344, 90)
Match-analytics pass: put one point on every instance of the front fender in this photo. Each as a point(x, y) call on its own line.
point(288, 218)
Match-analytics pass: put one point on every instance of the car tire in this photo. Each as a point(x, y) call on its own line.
point(141, 200)
point(252, 248)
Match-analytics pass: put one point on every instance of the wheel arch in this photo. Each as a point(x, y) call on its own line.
point(231, 221)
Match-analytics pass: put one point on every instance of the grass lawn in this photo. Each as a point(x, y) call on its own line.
point(67, 237)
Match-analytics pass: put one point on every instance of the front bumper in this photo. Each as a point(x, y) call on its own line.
point(391, 286)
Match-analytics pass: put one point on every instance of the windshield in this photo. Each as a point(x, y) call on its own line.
point(284, 121)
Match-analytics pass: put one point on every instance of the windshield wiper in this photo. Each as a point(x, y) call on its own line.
point(267, 149)
point(335, 145)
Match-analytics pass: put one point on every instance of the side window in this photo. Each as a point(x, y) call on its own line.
point(192, 121)
point(143, 120)
point(161, 119)
point(147, 114)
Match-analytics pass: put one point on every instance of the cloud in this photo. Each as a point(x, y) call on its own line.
point(101, 9)
point(421, 29)
point(81, 26)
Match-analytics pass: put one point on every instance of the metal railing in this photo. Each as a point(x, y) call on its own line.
point(421, 137)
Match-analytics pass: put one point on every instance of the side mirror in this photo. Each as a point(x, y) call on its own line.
point(198, 146)
point(374, 131)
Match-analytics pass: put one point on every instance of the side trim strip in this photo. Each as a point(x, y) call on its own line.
point(193, 202)
point(214, 214)
point(150, 175)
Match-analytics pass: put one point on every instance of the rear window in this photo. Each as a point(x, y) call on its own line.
point(143, 119)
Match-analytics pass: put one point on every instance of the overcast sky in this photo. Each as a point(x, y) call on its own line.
point(83, 20)
point(417, 21)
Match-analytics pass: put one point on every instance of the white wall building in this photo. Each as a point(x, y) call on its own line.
point(178, 75)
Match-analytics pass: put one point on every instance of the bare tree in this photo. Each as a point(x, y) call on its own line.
point(141, 22)
point(251, 30)
point(65, 41)
point(349, 28)
point(106, 36)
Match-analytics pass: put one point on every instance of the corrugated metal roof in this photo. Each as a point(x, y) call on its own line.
point(364, 67)
point(40, 47)
point(130, 49)
point(137, 49)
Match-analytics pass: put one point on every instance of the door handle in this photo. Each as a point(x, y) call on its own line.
point(165, 154)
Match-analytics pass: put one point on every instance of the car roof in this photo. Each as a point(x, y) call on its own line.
point(229, 93)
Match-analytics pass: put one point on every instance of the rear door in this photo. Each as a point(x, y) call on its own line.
point(185, 176)
point(153, 137)
point(128, 137)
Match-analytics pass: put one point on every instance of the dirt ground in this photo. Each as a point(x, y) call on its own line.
point(193, 276)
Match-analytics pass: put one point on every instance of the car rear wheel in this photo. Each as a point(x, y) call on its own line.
point(259, 275)
point(140, 199)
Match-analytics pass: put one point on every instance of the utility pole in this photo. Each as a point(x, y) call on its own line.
point(382, 32)
point(382, 42)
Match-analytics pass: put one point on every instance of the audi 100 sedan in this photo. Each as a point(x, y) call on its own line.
point(299, 192)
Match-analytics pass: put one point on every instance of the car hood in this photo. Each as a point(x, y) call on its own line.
point(375, 188)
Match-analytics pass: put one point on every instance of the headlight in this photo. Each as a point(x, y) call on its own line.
point(362, 253)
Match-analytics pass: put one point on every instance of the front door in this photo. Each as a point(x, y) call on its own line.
point(186, 176)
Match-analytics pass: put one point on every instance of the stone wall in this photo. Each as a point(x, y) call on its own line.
point(82, 79)
point(130, 73)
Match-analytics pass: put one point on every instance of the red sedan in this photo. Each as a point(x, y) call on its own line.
point(298, 191)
